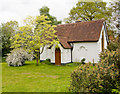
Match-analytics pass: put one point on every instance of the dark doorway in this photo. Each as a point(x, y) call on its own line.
point(57, 56)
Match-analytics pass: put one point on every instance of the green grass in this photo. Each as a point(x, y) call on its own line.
point(32, 78)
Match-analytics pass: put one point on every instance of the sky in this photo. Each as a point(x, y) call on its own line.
point(20, 9)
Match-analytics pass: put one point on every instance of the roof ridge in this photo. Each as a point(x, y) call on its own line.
point(69, 24)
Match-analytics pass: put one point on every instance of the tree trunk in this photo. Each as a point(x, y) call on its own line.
point(37, 59)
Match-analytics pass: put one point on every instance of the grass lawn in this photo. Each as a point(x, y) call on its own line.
point(32, 78)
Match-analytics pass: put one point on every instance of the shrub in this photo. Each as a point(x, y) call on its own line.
point(77, 63)
point(17, 57)
point(83, 61)
point(3, 59)
point(113, 45)
point(103, 77)
point(80, 81)
point(111, 57)
point(47, 61)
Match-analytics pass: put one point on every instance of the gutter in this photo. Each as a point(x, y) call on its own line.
point(71, 52)
point(106, 32)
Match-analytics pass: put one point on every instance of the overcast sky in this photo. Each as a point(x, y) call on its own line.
point(20, 9)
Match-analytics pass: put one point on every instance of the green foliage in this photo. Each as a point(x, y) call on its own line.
point(110, 57)
point(8, 29)
point(86, 11)
point(103, 77)
point(17, 57)
point(36, 33)
point(47, 61)
point(77, 63)
point(116, 91)
point(114, 45)
point(113, 26)
point(45, 11)
point(3, 59)
point(83, 61)
point(80, 79)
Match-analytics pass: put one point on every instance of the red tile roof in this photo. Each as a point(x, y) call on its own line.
point(79, 32)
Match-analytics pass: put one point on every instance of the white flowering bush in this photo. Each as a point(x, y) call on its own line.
point(17, 57)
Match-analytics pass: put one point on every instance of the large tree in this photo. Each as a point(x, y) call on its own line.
point(114, 26)
point(36, 33)
point(8, 30)
point(114, 20)
point(86, 11)
point(45, 11)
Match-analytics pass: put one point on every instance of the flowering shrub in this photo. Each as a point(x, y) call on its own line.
point(80, 79)
point(17, 57)
point(103, 77)
point(111, 57)
point(113, 45)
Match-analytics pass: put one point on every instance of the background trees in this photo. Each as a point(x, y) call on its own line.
point(87, 11)
point(114, 26)
point(45, 11)
point(8, 30)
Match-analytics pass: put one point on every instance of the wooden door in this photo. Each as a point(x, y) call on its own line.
point(57, 56)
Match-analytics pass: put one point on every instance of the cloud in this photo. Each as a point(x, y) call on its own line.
point(7, 16)
point(25, 2)
point(19, 9)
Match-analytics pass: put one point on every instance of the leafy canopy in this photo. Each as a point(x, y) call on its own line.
point(8, 29)
point(35, 35)
point(45, 11)
point(87, 11)
point(114, 19)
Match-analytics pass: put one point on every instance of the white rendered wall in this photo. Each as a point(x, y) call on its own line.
point(50, 53)
point(46, 53)
point(87, 50)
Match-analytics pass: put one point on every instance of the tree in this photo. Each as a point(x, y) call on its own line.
point(8, 30)
point(35, 35)
point(114, 20)
point(113, 26)
point(87, 11)
point(45, 11)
